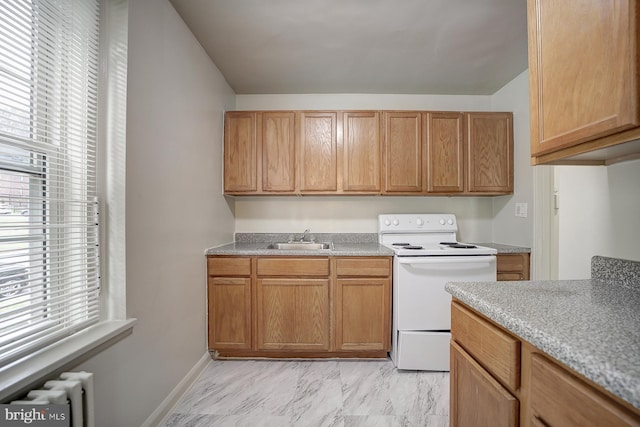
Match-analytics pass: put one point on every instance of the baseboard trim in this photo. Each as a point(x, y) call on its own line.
point(158, 417)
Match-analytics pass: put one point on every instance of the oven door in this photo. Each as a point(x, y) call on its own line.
point(421, 302)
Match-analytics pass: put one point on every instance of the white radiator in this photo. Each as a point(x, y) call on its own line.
point(72, 388)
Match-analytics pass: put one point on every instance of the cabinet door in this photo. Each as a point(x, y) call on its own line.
point(363, 309)
point(240, 152)
point(403, 152)
point(445, 152)
point(489, 152)
point(229, 312)
point(318, 153)
point(293, 314)
point(477, 399)
point(583, 71)
point(278, 151)
point(361, 152)
point(513, 266)
point(557, 398)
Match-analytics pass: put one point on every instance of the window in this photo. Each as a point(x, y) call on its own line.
point(49, 253)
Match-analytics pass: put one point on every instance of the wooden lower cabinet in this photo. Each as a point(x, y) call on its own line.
point(477, 399)
point(299, 306)
point(560, 399)
point(547, 393)
point(293, 314)
point(230, 308)
point(363, 304)
point(513, 266)
point(229, 302)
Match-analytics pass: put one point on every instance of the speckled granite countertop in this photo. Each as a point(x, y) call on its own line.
point(592, 326)
point(344, 244)
point(506, 249)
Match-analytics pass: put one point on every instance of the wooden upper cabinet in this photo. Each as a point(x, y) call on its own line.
point(277, 137)
point(318, 151)
point(362, 152)
point(583, 71)
point(403, 152)
point(445, 152)
point(240, 152)
point(367, 152)
point(489, 152)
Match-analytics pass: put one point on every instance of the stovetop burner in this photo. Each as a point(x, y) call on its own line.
point(406, 245)
point(458, 245)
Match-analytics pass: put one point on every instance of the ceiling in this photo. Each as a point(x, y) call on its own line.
point(471, 47)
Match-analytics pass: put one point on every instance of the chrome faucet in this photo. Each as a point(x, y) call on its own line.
point(304, 237)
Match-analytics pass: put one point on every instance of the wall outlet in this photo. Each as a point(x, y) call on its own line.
point(521, 210)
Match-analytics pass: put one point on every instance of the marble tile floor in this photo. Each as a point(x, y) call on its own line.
point(271, 393)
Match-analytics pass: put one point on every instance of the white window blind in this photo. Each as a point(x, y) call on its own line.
point(49, 254)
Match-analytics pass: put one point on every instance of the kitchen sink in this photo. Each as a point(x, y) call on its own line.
point(301, 245)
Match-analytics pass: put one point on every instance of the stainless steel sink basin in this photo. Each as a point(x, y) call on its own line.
point(301, 245)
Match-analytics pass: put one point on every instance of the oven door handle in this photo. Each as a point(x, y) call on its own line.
point(480, 259)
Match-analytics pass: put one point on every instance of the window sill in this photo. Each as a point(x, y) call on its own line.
point(32, 370)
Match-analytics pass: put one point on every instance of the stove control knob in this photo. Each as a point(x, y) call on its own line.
point(420, 222)
point(387, 222)
point(442, 222)
point(450, 221)
point(396, 222)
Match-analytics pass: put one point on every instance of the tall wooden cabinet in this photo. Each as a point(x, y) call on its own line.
point(584, 83)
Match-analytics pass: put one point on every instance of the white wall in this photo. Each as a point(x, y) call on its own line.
point(507, 228)
point(174, 210)
point(359, 214)
point(599, 215)
point(364, 102)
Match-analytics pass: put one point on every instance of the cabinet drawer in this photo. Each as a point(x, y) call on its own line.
point(293, 266)
point(228, 266)
point(510, 262)
point(560, 399)
point(513, 266)
point(503, 277)
point(497, 351)
point(366, 267)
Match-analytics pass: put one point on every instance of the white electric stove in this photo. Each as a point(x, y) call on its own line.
point(427, 256)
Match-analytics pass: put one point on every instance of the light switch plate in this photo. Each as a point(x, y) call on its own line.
point(521, 210)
